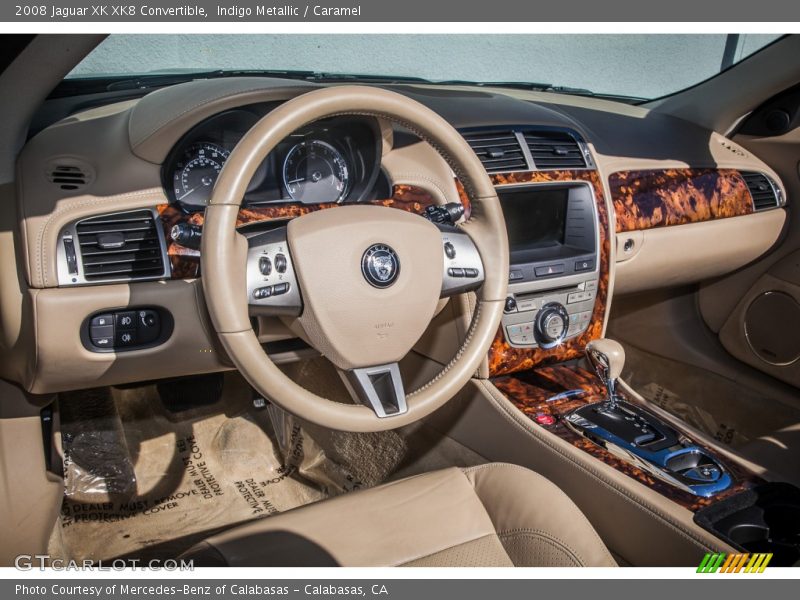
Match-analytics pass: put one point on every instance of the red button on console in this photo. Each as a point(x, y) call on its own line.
point(544, 419)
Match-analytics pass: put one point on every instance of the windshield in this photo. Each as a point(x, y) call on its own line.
point(635, 66)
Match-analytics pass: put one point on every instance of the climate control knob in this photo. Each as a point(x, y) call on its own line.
point(551, 325)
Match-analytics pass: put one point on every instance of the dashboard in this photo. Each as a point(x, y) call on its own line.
point(332, 161)
point(591, 210)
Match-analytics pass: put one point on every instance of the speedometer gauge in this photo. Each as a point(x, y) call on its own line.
point(196, 174)
point(315, 172)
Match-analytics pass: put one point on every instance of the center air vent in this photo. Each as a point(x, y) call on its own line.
point(764, 193)
point(499, 151)
point(555, 150)
point(120, 246)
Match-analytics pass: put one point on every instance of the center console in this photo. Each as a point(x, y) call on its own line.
point(553, 276)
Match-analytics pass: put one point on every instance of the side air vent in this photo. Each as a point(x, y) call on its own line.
point(555, 150)
point(499, 151)
point(124, 246)
point(763, 191)
point(69, 174)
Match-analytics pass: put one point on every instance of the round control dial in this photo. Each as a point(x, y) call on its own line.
point(551, 325)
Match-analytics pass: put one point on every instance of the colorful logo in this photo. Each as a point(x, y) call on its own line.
point(734, 563)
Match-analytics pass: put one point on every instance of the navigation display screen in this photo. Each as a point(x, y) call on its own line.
point(535, 218)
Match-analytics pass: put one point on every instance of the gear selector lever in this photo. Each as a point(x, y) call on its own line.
point(636, 435)
point(607, 358)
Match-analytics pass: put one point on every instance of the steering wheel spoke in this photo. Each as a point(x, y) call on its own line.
point(272, 287)
point(463, 267)
point(380, 388)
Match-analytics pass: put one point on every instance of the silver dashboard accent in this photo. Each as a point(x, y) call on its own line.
point(379, 387)
point(68, 236)
point(272, 291)
point(463, 267)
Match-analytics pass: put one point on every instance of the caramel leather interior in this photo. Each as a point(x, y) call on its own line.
point(488, 516)
point(678, 294)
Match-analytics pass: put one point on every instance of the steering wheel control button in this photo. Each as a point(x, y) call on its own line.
point(449, 250)
point(471, 273)
point(380, 265)
point(265, 265)
point(455, 272)
point(262, 292)
point(280, 264)
point(280, 289)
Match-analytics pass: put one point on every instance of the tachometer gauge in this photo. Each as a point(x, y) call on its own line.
point(196, 174)
point(315, 172)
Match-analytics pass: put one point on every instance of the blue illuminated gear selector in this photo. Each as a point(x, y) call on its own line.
point(550, 327)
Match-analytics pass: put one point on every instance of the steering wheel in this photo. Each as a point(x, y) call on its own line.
point(363, 282)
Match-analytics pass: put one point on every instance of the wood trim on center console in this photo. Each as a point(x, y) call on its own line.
point(665, 197)
point(535, 394)
point(504, 359)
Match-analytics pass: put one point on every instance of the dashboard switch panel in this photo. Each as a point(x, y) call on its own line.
point(124, 329)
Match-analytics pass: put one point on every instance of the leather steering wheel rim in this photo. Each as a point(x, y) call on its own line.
point(224, 255)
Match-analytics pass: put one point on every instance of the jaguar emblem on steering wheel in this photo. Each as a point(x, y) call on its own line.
point(380, 265)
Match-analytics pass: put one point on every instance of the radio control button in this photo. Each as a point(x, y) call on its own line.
point(591, 285)
point(455, 272)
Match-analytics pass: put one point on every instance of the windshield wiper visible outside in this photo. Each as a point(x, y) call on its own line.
point(119, 83)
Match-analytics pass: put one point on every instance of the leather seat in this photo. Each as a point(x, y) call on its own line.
point(493, 515)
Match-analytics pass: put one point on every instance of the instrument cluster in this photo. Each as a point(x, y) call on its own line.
point(332, 161)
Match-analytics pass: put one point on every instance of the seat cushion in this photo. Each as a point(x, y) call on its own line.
point(490, 515)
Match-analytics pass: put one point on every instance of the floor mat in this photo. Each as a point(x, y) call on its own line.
point(141, 481)
point(722, 408)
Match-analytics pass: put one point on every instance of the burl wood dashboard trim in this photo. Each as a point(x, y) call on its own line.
point(504, 359)
point(536, 393)
point(666, 197)
point(185, 262)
